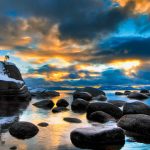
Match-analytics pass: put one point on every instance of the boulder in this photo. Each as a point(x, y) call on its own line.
point(59, 109)
point(100, 98)
point(118, 103)
point(79, 105)
point(83, 95)
point(96, 137)
point(119, 93)
point(136, 123)
point(100, 116)
point(72, 120)
point(62, 103)
point(127, 92)
point(144, 91)
point(108, 108)
point(136, 108)
point(43, 124)
point(45, 104)
point(23, 130)
point(136, 95)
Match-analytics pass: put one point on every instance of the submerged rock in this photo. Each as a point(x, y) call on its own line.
point(96, 137)
point(83, 95)
point(79, 105)
point(100, 98)
point(72, 120)
point(59, 109)
point(118, 103)
point(23, 130)
point(109, 108)
point(100, 116)
point(43, 124)
point(136, 95)
point(136, 108)
point(62, 103)
point(136, 123)
point(45, 104)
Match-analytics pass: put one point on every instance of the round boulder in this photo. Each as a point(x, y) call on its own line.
point(72, 120)
point(100, 116)
point(136, 108)
point(108, 108)
point(118, 103)
point(127, 92)
point(62, 103)
point(144, 91)
point(136, 95)
point(100, 98)
point(136, 123)
point(83, 95)
point(45, 104)
point(23, 130)
point(96, 137)
point(59, 109)
point(79, 105)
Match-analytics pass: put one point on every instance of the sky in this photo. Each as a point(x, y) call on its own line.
point(74, 43)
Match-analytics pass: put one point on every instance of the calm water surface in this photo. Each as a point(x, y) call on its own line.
point(57, 135)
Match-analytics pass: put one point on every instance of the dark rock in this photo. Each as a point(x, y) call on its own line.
point(72, 120)
point(100, 116)
point(59, 109)
point(144, 91)
point(136, 95)
point(100, 98)
point(96, 137)
point(136, 123)
point(62, 103)
point(43, 124)
point(83, 95)
point(45, 104)
point(23, 130)
point(118, 103)
point(108, 108)
point(136, 108)
point(79, 105)
point(127, 92)
point(119, 93)
point(93, 91)
point(13, 147)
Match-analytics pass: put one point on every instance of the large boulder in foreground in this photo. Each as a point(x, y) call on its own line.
point(136, 95)
point(45, 104)
point(83, 95)
point(62, 103)
point(136, 123)
point(96, 137)
point(136, 108)
point(108, 108)
point(79, 105)
point(23, 130)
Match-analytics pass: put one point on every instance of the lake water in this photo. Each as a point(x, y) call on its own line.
point(57, 135)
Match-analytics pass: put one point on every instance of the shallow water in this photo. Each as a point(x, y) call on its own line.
point(57, 135)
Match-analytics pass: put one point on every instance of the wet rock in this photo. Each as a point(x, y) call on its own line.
point(144, 91)
point(72, 120)
point(62, 103)
point(79, 105)
point(45, 104)
point(93, 91)
point(59, 109)
point(136, 108)
point(136, 95)
point(13, 147)
point(100, 116)
point(127, 92)
point(100, 98)
point(96, 137)
point(136, 123)
point(43, 124)
point(23, 130)
point(83, 95)
point(119, 93)
point(118, 103)
point(108, 108)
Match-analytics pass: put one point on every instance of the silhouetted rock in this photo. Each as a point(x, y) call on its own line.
point(119, 93)
point(144, 91)
point(62, 103)
point(79, 105)
point(97, 137)
point(127, 92)
point(118, 103)
point(43, 124)
point(100, 98)
point(136, 123)
point(136, 95)
point(59, 109)
point(23, 130)
point(109, 108)
point(83, 95)
point(136, 108)
point(72, 120)
point(100, 116)
point(45, 104)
